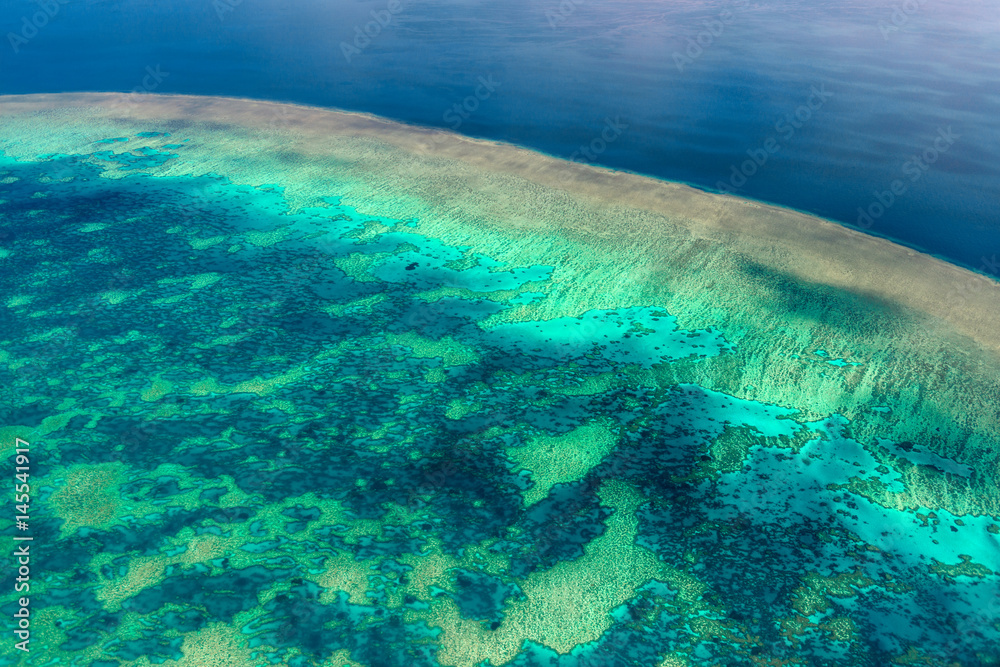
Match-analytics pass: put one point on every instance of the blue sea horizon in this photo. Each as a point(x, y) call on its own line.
point(836, 108)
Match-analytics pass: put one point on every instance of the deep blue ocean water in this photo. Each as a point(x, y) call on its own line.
point(820, 106)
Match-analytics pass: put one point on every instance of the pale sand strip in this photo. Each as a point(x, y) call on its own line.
point(806, 247)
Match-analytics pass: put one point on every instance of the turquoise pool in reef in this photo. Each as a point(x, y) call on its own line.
point(266, 432)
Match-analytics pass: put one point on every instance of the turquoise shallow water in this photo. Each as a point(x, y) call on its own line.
point(312, 438)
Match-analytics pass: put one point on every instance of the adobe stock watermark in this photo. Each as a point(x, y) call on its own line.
point(589, 152)
point(279, 118)
point(363, 35)
point(960, 293)
point(461, 111)
point(223, 7)
point(913, 169)
point(900, 17)
point(613, 128)
point(785, 128)
point(151, 81)
point(714, 28)
point(30, 26)
point(556, 17)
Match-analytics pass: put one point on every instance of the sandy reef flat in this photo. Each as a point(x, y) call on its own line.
point(626, 209)
point(814, 363)
point(619, 239)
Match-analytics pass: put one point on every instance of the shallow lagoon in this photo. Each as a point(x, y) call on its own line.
point(291, 411)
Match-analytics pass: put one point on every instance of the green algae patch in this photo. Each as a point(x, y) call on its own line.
point(118, 296)
point(204, 280)
point(228, 339)
point(567, 605)
point(449, 350)
point(460, 408)
point(202, 244)
point(265, 239)
point(813, 596)
point(565, 458)
point(964, 568)
point(157, 390)
point(358, 265)
point(17, 300)
point(217, 645)
point(89, 496)
point(731, 449)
